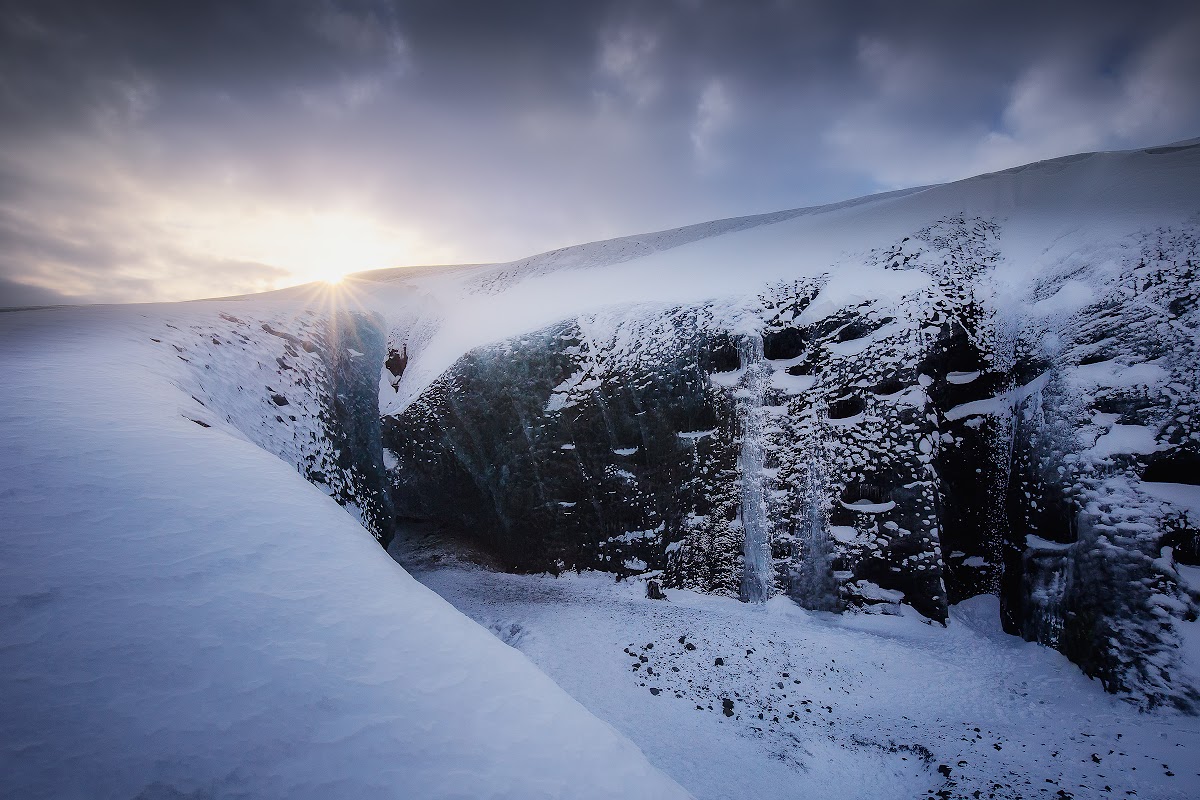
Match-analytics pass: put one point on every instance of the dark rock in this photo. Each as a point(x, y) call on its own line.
point(397, 362)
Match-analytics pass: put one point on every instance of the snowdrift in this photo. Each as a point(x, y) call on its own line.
point(186, 616)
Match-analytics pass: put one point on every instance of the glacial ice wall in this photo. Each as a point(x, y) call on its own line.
point(855, 454)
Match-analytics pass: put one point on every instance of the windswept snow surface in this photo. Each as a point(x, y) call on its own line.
point(185, 616)
point(738, 700)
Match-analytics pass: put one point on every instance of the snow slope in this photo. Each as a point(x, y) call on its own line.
point(778, 703)
point(1053, 214)
point(185, 616)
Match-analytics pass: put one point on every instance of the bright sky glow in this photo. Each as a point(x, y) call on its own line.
point(322, 246)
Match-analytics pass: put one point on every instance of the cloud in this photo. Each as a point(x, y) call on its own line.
point(110, 243)
point(625, 61)
point(23, 295)
point(1061, 98)
point(171, 150)
point(714, 112)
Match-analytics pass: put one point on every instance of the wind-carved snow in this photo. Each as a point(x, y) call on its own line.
point(570, 391)
point(185, 616)
point(867, 507)
point(1005, 403)
point(757, 574)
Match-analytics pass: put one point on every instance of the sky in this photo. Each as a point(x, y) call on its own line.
point(167, 150)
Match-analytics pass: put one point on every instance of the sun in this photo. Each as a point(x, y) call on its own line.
point(326, 247)
point(304, 246)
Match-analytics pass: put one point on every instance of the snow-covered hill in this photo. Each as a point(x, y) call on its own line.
point(899, 402)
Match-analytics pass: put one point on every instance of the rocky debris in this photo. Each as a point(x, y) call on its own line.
point(396, 364)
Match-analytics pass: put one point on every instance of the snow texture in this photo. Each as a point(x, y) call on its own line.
point(775, 702)
point(185, 616)
point(812, 407)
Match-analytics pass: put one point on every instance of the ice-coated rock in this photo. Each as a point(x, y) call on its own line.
point(957, 375)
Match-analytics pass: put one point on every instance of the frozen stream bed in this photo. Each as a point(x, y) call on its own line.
point(735, 700)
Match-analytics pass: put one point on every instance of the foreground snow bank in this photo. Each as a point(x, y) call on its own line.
point(774, 702)
point(183, 615)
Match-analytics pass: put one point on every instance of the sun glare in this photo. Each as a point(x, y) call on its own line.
point(321, 247)
point(290, 246)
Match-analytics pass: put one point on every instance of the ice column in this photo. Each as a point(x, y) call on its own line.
point(813, 584)
point(757, 569)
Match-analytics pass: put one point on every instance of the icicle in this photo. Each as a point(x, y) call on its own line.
point(756, 570)
point(812, 581)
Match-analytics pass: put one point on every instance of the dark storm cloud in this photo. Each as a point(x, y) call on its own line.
point(22, 295)
point(146, 147)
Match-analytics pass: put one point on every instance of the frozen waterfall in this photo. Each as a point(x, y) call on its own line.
point(756, 570)
point(812, 583)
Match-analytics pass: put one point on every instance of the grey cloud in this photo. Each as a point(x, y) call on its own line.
point(87, 248)
point(501, 129)
point(22, 295)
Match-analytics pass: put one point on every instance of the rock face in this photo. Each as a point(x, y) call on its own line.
point(300, 384)
point(557, 457)
point(919, 449)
